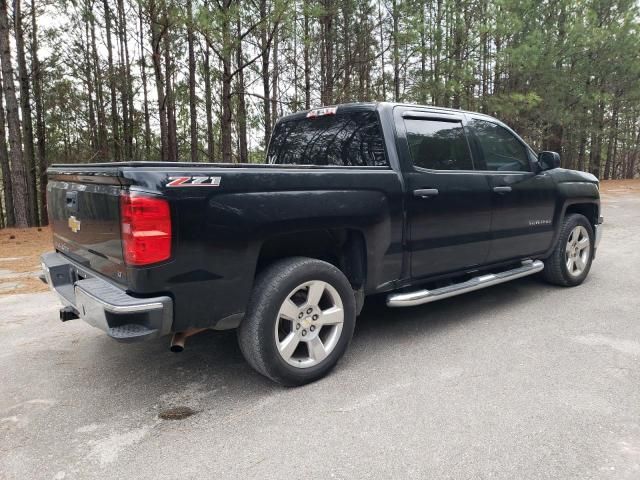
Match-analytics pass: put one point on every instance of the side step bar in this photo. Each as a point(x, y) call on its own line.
point(419, 297)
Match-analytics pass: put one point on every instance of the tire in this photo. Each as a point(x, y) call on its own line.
point(293, 338)
point(569, 264)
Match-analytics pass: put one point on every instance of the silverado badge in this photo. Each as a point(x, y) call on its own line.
point(74, 224)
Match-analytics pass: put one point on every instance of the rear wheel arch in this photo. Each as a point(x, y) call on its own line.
point(345, 248)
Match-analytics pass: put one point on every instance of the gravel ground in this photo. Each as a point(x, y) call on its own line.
point(522, 380)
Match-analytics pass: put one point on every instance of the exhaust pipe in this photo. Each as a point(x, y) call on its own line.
point(68, 313)
point(179, 338)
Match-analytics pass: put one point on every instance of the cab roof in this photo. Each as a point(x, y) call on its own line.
point(370, 106)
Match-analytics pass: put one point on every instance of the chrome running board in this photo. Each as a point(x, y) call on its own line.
point(419, 297)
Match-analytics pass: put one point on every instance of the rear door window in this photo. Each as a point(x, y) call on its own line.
point(438, 144)
point(344, 139)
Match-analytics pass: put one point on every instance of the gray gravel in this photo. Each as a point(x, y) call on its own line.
point(522, 380)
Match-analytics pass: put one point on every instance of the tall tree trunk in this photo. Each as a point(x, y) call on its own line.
point(307, 61)
point(458, 40)
point(274, 80)
point(2, 222)
point(242, 108)
point(555, 137)
point(103, 146)
point(211, 144)
point(633, 156)
point(93, 126)
point(497, 67)
point(36, 73)
point(609, 171)
point(127, 60)
point(347, 53)
point(10, 219)
point(225, 122)
point(126, 83)
point(172, 130)
point(265, 50)
point(193, 114)
point(436, 92)
point(582, 146)
point(25, 107)
point(121, 82)
point(115, 122)
point(296, 66)
point(158, 31)
point(327, 58)
point(423, 55)
point(382, 66)
point(18, 173)
point(396, 52)
point(145, 94)
point(330, 54)
point(595, 155)
point(484, 41)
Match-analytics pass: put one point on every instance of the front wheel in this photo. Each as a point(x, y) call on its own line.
point(299, 322)
point(570, 262)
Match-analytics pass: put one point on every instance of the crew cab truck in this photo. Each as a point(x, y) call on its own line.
point(417, 203)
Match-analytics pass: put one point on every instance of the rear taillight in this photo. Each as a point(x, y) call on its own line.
point(145, 229)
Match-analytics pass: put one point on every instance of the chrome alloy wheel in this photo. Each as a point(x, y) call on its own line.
point(577, 251)
point(309, 324)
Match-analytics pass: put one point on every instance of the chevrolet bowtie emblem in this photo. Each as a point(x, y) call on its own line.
point(74, 224)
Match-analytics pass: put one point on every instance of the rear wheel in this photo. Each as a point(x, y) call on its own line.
point(299, 322)
point(570, 262)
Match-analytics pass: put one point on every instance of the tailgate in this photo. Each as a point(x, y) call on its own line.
point(85, 219)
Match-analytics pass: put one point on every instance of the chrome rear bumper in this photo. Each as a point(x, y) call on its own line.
point(104, 305)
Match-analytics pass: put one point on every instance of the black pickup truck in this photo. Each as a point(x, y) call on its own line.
point(417, 203)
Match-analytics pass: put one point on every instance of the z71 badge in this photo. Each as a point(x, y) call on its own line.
point(194, 182)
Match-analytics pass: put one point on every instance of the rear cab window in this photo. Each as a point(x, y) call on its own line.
point(339, 139)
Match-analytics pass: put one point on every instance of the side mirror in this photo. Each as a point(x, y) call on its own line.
point(549, 160)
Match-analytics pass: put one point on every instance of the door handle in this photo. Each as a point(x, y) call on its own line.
point(502, 189)
point(425, 192)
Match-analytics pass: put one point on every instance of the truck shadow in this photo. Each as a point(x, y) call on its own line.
point(377, 319)
point(211, 370)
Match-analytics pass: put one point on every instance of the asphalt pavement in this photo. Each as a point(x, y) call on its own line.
point(519, 381)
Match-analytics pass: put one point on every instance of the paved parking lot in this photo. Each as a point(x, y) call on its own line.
point(522, 380)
